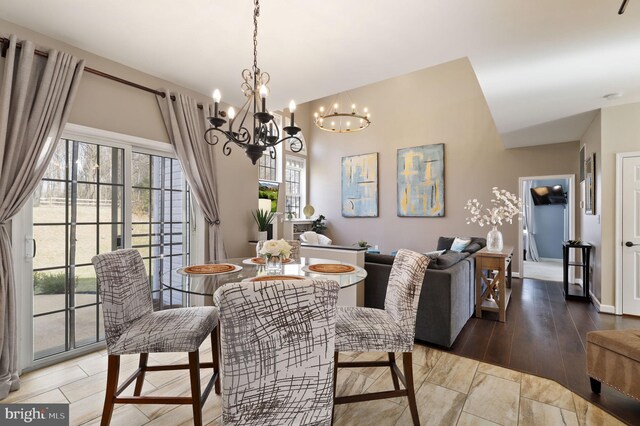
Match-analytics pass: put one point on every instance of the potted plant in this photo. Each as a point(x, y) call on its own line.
point(263, 218)
point(318, 225)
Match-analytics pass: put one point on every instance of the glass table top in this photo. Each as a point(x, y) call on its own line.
point(207, 285)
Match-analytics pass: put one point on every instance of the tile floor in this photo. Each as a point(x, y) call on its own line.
point(450, 390)
point(545, 269)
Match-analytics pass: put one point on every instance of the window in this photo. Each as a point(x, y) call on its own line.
point(159, 219)
point(77, 213)
point(295, 180)
point(267, 167)
point(84, 206)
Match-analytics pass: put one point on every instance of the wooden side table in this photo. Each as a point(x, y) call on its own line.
point(494, 270)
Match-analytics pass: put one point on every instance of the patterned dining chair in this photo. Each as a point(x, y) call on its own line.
point(390, 330)
point(277, 341)
point(132, 327)
point(295, 248)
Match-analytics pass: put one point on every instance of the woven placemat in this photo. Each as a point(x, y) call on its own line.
point(276, 278)
point(218, 268)
point(331, 268)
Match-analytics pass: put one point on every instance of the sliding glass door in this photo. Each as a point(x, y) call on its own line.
point(87, 196)
point(77, 213)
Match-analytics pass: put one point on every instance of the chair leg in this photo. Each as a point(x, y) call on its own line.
point(335, 382)
point(113, 370)
point(215, 353)
point(194, 373)
point(142, 365)
point(596, 385)
point(407, 363)
point(394, 376)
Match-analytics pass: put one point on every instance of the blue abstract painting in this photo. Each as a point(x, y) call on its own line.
point(360, 185)
point(421, 181)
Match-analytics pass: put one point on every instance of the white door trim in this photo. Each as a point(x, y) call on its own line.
point(618, 229)
point(571, 213)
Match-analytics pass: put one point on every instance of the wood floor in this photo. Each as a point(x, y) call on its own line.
point(546, 335)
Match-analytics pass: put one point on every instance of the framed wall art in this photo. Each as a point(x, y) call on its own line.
point(360, 185)
point(590, 185)
point(421, 181)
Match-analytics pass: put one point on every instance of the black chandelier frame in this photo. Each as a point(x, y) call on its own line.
point(266, 134)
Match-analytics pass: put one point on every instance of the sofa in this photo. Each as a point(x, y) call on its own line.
point(447, 299)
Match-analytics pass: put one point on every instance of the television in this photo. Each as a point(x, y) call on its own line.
point(546, 195)
point(269, 190)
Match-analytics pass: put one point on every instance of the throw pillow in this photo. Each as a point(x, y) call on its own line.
point(459, 244)
point(434, 254)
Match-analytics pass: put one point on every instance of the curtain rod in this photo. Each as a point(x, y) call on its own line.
point(5, 46)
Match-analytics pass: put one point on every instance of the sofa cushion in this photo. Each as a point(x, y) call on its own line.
point(623, 342)
point(459, 244)
point(434, 254)
point(384, 259)
point(447, 260)
point(476, 244)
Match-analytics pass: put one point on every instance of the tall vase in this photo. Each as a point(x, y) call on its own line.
point(494, 240)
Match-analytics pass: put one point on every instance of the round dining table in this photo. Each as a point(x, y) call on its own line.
point(245, 270)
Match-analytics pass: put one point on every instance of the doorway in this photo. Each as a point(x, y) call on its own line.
point(546, 223)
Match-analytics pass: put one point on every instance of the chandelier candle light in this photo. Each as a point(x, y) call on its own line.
point(264, 135)
point(505, 206)
point(333, 120)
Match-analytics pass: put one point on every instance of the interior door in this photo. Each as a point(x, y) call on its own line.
point(631, 235)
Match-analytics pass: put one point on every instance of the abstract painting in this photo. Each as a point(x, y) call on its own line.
point(360, 185)
point(421, 181)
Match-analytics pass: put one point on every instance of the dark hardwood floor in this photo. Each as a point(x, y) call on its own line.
point(546, 335)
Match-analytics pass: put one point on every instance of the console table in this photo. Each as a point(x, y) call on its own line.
point(585, 264)
point(493, 269)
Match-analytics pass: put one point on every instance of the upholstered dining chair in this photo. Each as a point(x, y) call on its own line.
point(277, 341)
point(295, 248)
point(390, 330)
point(132, 327)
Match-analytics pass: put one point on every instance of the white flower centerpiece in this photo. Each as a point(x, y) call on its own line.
point(504, 207)
point(275, 251)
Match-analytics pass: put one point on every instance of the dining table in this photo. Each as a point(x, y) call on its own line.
point(246, 269)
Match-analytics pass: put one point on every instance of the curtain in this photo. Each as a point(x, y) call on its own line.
point(529, 225)
point(36, 95)
point(185, 125)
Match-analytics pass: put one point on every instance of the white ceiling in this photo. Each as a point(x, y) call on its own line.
point(537, 61)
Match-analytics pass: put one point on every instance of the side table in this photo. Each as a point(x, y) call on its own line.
point(585, 264)
point(494, 270)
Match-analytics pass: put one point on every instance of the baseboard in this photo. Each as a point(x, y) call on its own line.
point(605, 309)
point(515, 274)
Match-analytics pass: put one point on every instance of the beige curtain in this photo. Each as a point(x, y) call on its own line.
point(185, 125)
point(36, 94)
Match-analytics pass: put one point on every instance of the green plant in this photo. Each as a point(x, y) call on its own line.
point(44, 283)
point(363, 244)
point(318, 225)
point(263, 218)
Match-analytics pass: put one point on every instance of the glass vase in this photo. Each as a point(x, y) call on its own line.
point(274, 264)
point(494, 240)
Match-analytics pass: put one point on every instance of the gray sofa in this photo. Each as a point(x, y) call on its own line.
point(447, 299)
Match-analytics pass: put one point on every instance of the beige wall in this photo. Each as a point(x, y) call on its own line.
point(107, 105)
point(589, 228)
point(620, 133)
point(442, 104)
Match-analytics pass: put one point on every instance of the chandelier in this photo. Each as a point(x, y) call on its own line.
point(265, 133)
point(333, 120)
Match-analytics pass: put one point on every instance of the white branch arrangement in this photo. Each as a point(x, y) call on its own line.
point(505, 206)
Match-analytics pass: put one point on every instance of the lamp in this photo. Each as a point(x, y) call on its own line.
point(349, 121)
point(263, 135)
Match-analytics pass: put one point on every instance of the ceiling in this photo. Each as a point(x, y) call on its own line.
point(543, 65)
